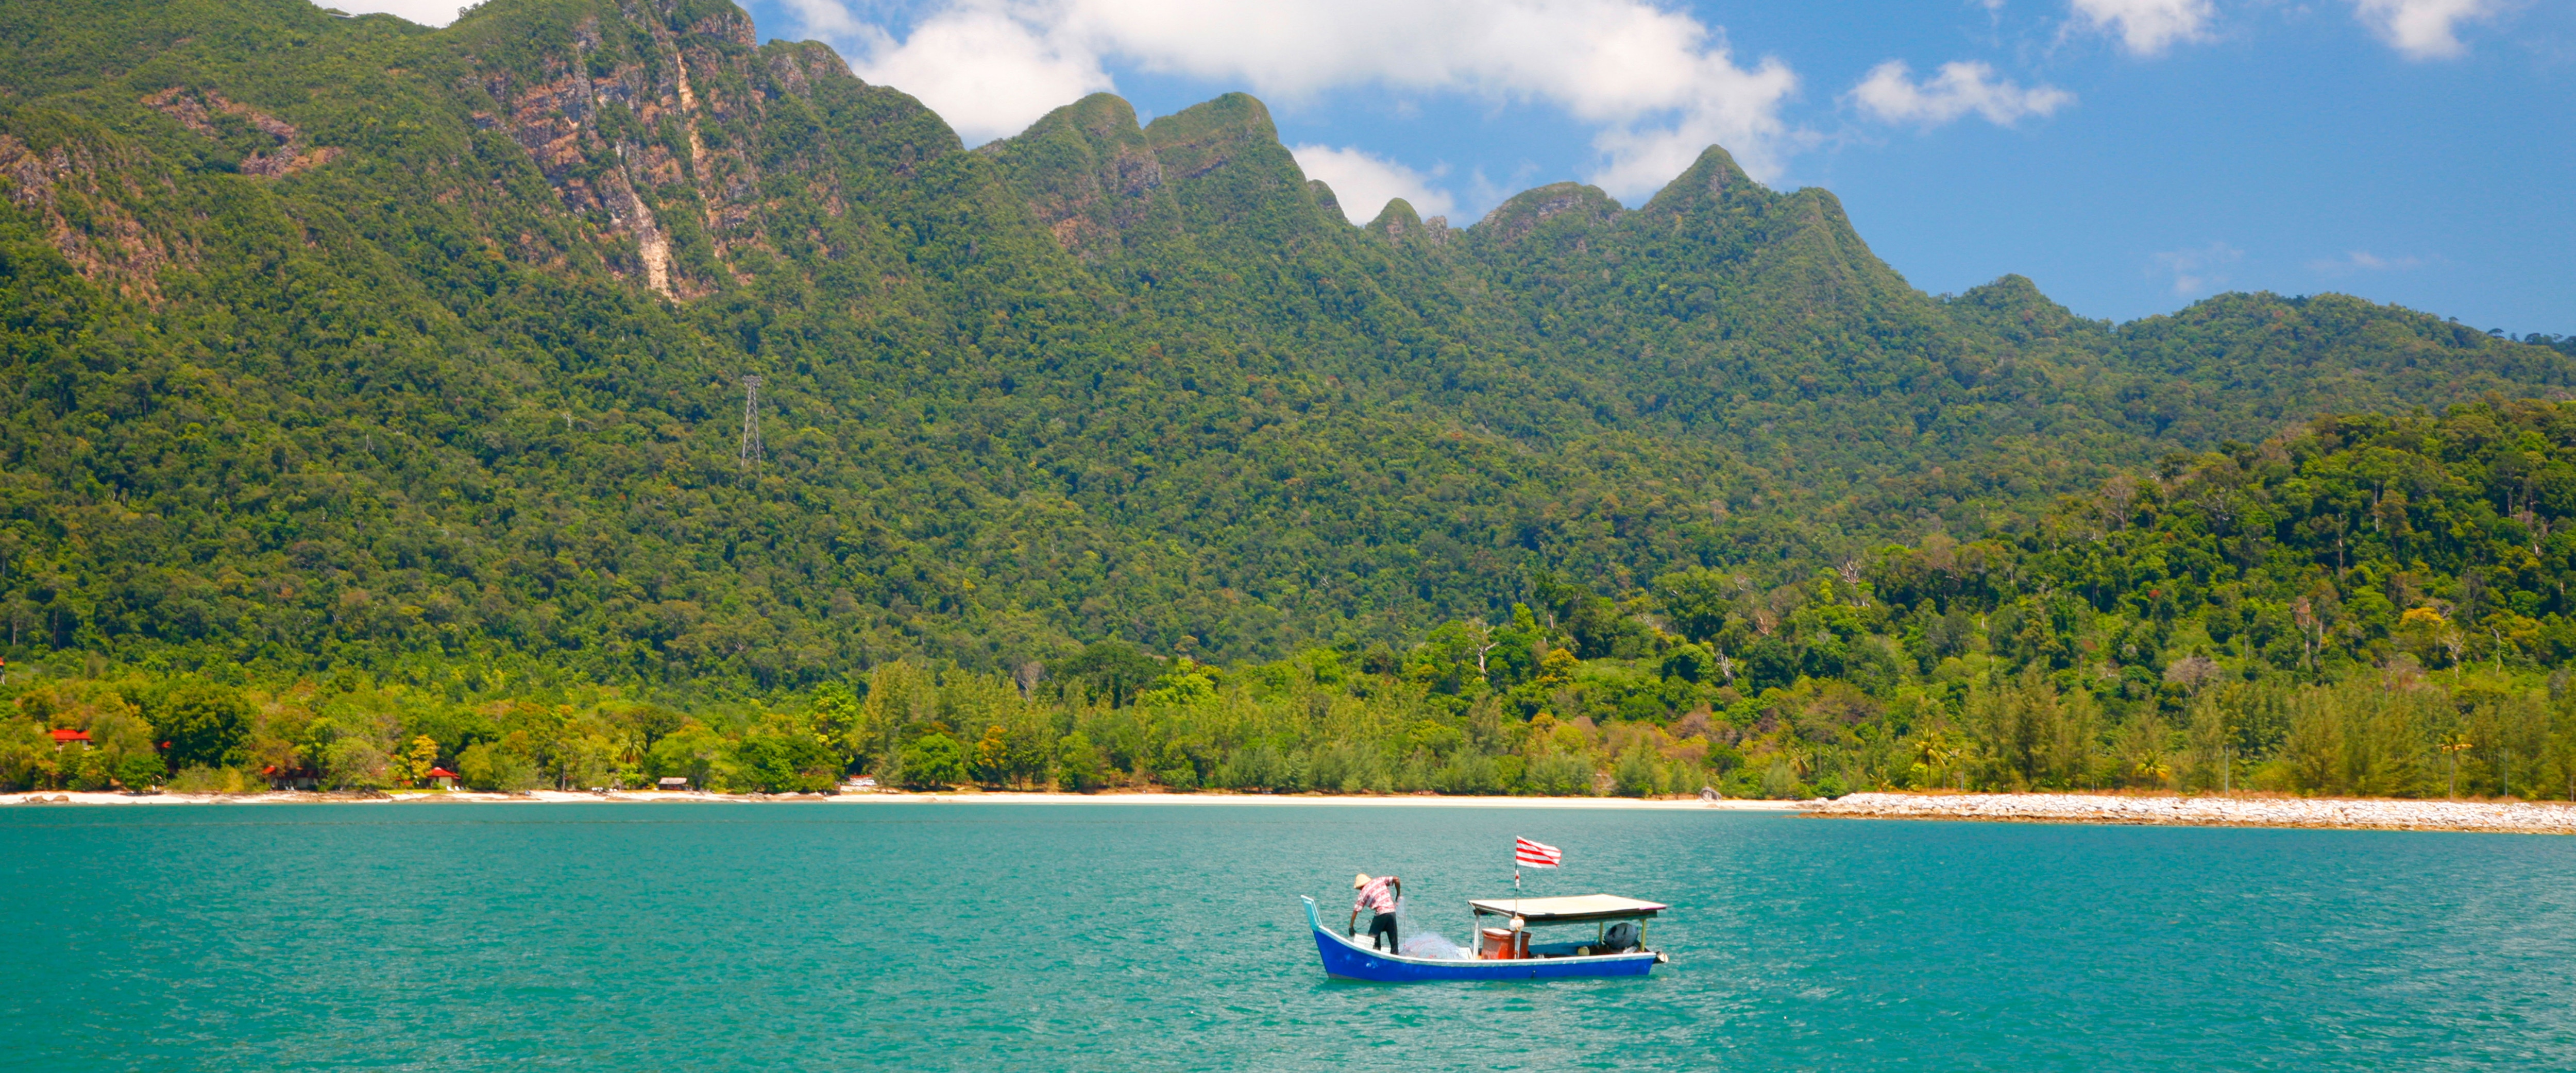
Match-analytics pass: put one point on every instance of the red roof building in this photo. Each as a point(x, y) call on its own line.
point(64, 736)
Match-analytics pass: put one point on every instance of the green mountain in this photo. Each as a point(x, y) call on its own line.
point(338, 342)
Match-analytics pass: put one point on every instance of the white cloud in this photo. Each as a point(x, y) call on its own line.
point(2363, 261)
point(2422, 29)
point(1365, 182)
point(1891, 94)
point(2148, 27)
point(1727, 106)
point(424, 12)
point(988, 74)
point(1658, 85)
point(2200, 271)
point(828, 20)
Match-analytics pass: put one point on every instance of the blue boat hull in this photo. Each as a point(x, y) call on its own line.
point(1347, 960)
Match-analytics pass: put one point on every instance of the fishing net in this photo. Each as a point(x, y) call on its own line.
point(1421, 943)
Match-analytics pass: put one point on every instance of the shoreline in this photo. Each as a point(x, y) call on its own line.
point(2376, 814)
point(2355, 814)
point(565, 797)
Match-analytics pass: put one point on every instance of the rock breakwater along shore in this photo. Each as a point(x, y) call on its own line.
point(2512, 817)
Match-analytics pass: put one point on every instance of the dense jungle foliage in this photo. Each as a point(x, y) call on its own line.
point(2373, 606)
point(362, 384)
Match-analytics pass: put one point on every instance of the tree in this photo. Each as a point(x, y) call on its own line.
point(1636, 774)
point(205, 724)
point(584, 761)
point(782, 756)
point(1696, 601)
point(2452, 745)
point(355, 762)
point(1692, 663)
point(141, 771)
point(490, 767)
point(1937, 756)
point(28, 759)
point(933, 762)
point(1183, 681)
point(691, 752)
point(88, 770)
point(993, 756)
point(1078, 763)
point(1108, 671)
point(414, 763)
point(1450, 661)
point(840, 720)
point(1025, 751)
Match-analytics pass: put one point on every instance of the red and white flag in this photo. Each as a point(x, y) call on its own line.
point(1536, 854)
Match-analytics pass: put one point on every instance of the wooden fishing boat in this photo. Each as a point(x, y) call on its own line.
point(1617, 946)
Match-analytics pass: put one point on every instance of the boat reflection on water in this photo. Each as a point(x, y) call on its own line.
point(1506, 948)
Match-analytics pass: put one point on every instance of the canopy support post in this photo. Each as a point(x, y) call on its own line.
point(1516, 940)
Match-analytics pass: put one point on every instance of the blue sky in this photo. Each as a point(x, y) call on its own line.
point(2129, 155)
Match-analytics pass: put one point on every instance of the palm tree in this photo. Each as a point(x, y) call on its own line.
point(1935, 752)
point(2152, 769)
point(2453, 744)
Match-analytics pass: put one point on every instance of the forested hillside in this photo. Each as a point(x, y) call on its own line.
point(2371, 605)
point(342, 347)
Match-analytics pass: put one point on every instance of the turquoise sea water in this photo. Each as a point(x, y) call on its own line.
point(1112, 937)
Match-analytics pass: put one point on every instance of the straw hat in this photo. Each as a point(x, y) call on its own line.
point(1360, 880)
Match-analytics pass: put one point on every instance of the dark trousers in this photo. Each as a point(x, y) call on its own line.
point(1385, 922)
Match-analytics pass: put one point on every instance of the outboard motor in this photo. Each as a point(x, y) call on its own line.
point(1621, 938)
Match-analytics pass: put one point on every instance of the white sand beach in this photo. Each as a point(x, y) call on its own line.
point(2209, 811)
point(2519, 817)
point(66, 797)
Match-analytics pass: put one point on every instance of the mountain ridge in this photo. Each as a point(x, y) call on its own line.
point(338, 341)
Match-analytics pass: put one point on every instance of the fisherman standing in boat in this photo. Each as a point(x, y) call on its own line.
point(1378, 896)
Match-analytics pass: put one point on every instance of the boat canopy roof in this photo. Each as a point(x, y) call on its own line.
point(1568, 909)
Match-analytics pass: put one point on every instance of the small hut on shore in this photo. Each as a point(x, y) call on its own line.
point(289, 778)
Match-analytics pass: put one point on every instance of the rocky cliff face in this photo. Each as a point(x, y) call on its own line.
point(653, 124)
point(1091, 178)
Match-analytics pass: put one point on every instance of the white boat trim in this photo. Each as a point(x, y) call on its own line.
point(1580, 959)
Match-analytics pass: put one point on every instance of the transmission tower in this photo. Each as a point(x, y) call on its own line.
point(750, 423)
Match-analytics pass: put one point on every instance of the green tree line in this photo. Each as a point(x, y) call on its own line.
point(2372, 605)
